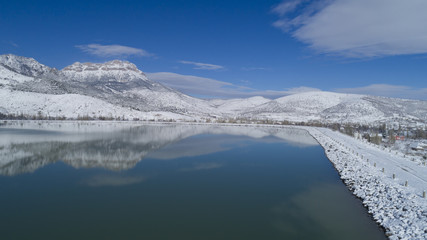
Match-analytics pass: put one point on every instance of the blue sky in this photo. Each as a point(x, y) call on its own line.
point(234, 48)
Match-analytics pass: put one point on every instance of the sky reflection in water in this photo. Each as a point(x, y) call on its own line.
point(111, 181)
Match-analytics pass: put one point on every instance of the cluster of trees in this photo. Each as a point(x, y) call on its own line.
point(85, 117)
point(419, 133)
point(21, 116)
point(102, 118)
point(375, 134)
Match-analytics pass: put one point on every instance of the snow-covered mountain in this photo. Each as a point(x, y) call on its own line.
point(116, 88)
point(302, 107)
point(342, 108)
point(122, 83)
point(28, 75)
point(26, 66)
point(309, 104)
point(119, 89)
point(238, 105)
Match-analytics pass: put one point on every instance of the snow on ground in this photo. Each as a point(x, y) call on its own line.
point(72, 106)
point(400, 209)
point(315, 102)
point(237, 105)
point(405, 147)
point(173, 100)
point(7, 76)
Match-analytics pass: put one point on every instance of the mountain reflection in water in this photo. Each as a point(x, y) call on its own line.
point(124, 180)
point(120, 146)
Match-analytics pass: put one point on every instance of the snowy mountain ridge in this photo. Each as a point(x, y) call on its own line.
point(341, 108)
point(122, 71)
point(116, 82)
point(25, 66)
point(119, 89)
point(238, 105)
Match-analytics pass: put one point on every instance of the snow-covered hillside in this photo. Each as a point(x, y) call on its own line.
point(238, 105)
point(122, 83)
point(340, 108)
point(72, 106)
point(307, 105)
point(28, 75)
point(119, 88)
point(25, 66)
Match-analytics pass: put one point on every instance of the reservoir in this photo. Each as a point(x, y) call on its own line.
point(112, 180)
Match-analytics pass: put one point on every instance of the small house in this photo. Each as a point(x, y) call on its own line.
point(401, 138)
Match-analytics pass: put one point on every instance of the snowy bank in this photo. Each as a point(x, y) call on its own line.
point(392, 187)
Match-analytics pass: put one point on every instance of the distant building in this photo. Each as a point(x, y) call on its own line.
point(400, 138)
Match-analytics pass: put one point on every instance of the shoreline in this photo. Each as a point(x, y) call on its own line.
point(371, 216)
point(396, 208)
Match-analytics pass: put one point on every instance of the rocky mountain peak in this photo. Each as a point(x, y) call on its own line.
point(115, 65)
point(116, 70)
point(25, 66)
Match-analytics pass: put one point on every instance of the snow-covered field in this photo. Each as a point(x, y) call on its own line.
point(71, 106)
point(390, 185)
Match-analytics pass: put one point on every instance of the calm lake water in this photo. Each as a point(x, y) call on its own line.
point(124, 181)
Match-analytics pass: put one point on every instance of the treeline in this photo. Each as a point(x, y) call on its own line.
point(375, 134)
point(40, 116)
point(371, 133)
point(29, 117)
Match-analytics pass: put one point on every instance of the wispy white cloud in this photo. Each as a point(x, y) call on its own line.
point(301, 90)
point(13, 44)
point(294, 14)
point(388, 90)
point(287, 7)
point(10, 43)
point(210, 88)
point(113, 50)
point(200, 86)
point(358, 29)
point(255, 68)
point(187, 83)
point(203, 66)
